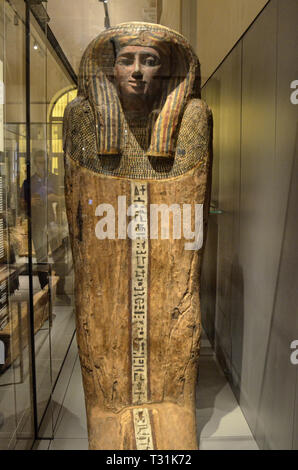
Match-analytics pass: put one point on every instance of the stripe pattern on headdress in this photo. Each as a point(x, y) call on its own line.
point(96, 84)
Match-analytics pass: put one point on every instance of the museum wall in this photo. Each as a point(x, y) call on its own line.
point(171, 14)
point(219, 26)
point(212, 26)
point(249, 283)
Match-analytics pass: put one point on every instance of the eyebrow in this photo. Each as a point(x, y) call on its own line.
point(131, 54)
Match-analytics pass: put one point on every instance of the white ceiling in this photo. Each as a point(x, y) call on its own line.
point(76, 22)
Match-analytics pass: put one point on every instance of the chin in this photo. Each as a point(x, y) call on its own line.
point(134, 93)
point(137, 91)
point(131, 89)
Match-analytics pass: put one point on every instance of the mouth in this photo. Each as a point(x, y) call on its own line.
point(136, 83)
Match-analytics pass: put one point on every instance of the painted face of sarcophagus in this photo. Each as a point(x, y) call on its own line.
point(137, 176)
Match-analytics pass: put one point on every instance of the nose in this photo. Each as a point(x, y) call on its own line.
point(137, 71)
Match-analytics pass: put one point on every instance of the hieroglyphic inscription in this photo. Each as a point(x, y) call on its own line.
point(139, 281)
point(142, 426)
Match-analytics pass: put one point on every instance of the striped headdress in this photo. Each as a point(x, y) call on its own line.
point(96, 83)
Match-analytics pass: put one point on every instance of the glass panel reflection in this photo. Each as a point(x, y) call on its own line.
point(52, 297)
point(16, 410)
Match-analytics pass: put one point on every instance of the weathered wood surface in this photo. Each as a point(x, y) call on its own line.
point(103, 283)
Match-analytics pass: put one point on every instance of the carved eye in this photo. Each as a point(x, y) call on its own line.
point(151, 61)
point(125, 61)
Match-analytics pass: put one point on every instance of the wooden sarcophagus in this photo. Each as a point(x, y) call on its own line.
point(137, 143)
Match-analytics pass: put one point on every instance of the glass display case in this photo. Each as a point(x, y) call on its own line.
point(36, 276)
